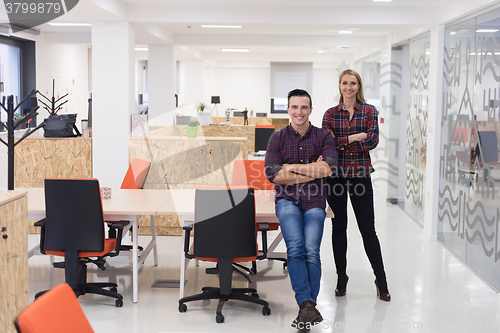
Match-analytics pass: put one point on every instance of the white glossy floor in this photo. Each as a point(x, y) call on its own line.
point(431, 290)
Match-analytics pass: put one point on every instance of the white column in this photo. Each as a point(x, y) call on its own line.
point(434, 132)
point(161, 78)
point(381, 155)
point(193, 82)
point(112, 99)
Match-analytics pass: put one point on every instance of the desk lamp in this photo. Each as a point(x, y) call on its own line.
point(216, 100)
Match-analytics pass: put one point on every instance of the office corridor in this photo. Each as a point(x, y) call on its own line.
point(432, 291)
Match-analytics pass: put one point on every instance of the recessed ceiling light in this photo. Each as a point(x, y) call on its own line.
point(345, 32)
point(222, 26)
point(453, 32)
point(141, 48)
point(487, 30)
point(382, 0)
point(235, 50)
point(70, 24)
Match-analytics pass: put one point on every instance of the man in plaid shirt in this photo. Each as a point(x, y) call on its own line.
point(297, 159)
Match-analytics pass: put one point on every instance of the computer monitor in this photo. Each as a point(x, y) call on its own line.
point(182, 120)
point(489, 146)
point(279, 105)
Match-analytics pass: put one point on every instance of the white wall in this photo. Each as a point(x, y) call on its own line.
point(68, 65)
point(247, 85)
point(243, 87)
point(325, 88)
point(191, 91)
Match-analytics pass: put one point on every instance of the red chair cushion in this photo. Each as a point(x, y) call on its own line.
point(109, 245)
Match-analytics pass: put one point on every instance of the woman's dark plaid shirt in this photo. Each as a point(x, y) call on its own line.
point(354, 158)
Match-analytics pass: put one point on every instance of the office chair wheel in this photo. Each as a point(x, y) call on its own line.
point(183, 307)
point(254, 295)
point(119, 303)
point(113, 290)
point(266, 311)
point(219, 318)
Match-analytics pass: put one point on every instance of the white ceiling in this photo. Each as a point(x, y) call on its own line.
point(273, 30)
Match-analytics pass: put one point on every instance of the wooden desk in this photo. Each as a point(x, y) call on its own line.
point(182, 203)
point(123, 205)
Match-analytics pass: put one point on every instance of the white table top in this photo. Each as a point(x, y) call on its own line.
point(122, 202)
point(155, 202)
point(182, 203)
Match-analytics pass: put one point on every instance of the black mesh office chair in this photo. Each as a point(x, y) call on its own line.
point(74, 228)
point(224, 231)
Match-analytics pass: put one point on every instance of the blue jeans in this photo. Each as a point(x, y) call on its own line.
point(302, 231)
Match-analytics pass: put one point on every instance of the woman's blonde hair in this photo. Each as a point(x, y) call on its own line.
point(359, 96)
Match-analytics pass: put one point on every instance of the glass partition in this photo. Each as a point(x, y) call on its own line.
point(469, 203)
point(416, 128)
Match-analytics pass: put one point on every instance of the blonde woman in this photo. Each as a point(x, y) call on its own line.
point(354, 125)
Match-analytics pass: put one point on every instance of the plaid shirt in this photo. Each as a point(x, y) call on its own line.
point(288, 147)
point(354, 158)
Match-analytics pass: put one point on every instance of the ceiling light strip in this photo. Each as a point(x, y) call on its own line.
point(235, 50)
point(222, 26)
point(70, 24)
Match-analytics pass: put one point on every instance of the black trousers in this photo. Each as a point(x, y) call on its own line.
point(360, 192)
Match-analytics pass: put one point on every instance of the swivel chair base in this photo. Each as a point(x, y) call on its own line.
point(236, 293)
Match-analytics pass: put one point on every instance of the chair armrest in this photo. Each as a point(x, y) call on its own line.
point(116, 225)
point(42, 223)
point(113, 227)
point(187, 227)
point(264, 228)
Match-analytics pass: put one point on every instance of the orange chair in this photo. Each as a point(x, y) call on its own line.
point(134, 179)
point(136, 175)
point(252, 173)
point(56, 311)
point(224, 232)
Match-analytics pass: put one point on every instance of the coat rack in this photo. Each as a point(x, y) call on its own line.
point(10, 127)
point(52, 109)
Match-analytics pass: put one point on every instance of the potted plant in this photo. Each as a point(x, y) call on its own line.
point(192, 129)
point(200, 107)
point(18, 118)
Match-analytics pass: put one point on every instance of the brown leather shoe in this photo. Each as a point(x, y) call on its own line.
point(309, 314)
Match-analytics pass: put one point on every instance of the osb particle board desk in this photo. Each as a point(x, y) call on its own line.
point(182, 204)
point(123, 205)
point(14, 286)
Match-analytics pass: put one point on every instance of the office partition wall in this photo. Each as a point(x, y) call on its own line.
point(416, 128)
point(469, 202)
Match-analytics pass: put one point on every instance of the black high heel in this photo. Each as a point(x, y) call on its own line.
point(339, 292)
point(383, 296)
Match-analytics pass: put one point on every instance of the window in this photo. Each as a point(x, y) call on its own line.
point(10, 73)
point(17, 72)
